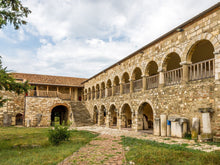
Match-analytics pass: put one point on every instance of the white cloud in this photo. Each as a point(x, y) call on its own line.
point(80, 38)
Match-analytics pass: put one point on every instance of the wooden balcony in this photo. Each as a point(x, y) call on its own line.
point(201, 70)
point(173, 77)
point(126, 88)
point(152, 81)
point(137, 85)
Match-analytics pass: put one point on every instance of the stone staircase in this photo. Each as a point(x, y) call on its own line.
point(81, 115)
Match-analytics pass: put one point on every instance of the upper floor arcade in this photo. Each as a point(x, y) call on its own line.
point(66, 88)
point(188, 53)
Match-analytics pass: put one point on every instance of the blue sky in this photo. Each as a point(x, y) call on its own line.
point(79, 38)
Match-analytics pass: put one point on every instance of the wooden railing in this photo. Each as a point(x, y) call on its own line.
point(201, 70)
point(173, 77)
point(93, 95)
point(102, 93)
point(109, 91)
point(137, 85)
point(126, 87)
point(117, 90)
point(152, 81)
point(97, 94)
point(44, 93)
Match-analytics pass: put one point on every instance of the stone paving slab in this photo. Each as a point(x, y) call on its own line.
point(139, 135)
point(103, 150)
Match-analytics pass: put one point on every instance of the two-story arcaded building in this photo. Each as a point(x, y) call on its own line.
point(171, 85)
point(51, 97)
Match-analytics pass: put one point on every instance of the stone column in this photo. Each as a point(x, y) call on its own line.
point(47, 90)
point(131, 86)
point(37, 89)
point(195, 128)
point(113, 90)
point(76, 94)
point(106, 91)
point(185, 76)
point(107, 120)
point(163, 124)
point(161, 78)
point(157, 126)
point(144, 82)
point(95, 93)
point(119, 122)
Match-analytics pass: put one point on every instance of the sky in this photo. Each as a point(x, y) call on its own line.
point(79, 38)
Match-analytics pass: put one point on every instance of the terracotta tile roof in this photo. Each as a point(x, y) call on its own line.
point(49, 80)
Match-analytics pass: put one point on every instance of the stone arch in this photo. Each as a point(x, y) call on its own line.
point(125, 77)
point(95, 115)
point(136, 74)
point(19, 119)
point(171, 61)
point(113, 115)
point(102, 115)
point(59, 114)
point(145, 116)
point(97, 91)
point(200, 51)
point(151, 68)
point(93, 92)
point(116, 81)
point(89, 94)
point(126, 116)
point(109, 83)
point(102, 89)
point(205, 36)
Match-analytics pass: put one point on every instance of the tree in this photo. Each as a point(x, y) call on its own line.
point(12, 11)
point(8, 83)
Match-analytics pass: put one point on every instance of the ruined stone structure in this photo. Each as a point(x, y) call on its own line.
point(165, 85)
point(52, 97)
point(169, 87)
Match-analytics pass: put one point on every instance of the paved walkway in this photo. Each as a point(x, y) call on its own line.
point(139, 135)
point(104, 149)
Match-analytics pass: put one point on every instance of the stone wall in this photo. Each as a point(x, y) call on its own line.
point(183, 99)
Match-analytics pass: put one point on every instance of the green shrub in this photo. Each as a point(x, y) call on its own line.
point(188, 136)
point(58, 134)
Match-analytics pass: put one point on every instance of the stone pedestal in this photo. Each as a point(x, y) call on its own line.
point(179, 127)
point(163, 125)
point(195, 128)
point(157, 126)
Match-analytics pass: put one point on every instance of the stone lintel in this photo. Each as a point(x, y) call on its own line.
point(206, 110)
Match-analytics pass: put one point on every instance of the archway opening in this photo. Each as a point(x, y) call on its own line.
point(202, 58)
point(173, 70)
point(113, 115)
point(59, 115)
point(109, 88)
point(116, 86)
point(102, 90)
point(19, 119)
point(152, 75)
point(126, 117)
point(145, 117)
point(125, 83)
point(97, 91)
point(102, 116)
point(95, 115)
point(137, 79)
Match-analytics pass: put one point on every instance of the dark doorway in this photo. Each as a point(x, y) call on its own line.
point(59, 115)
point(19, 119)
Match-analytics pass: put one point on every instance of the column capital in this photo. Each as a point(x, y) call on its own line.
point(160, 70)
point(185, 63)
point(216, 52)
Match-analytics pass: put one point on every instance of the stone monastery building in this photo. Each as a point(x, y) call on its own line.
point(169, 87)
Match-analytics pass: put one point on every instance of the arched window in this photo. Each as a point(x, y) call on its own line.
point(89, 94)
point(102, 90)
point(93, 92)
point(97, 91)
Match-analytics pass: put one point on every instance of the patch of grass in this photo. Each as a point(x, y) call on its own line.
point(151, 152)
point(31, 146)
point(214, 143)
point(166, 139)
